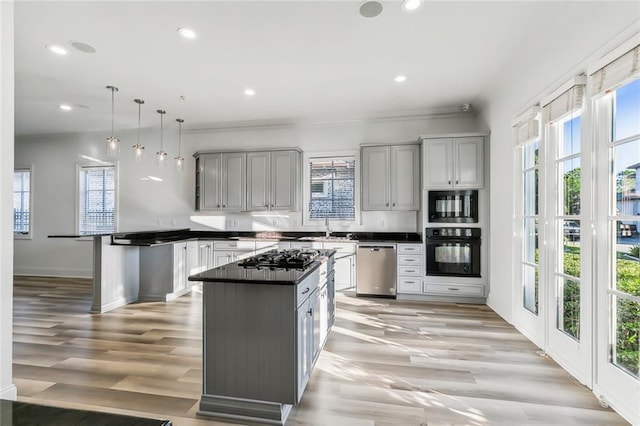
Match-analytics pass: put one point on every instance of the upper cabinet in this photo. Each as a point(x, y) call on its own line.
point(273, 180)
point(248, 181)
point(454, 163)
point(220, 181)
point(391, 177)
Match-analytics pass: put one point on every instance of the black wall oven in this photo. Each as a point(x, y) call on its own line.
point(453, 206)
point(453, 252)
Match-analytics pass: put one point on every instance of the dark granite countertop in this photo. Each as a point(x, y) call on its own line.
point(234, 273)
point(149, 238)
point(17, 413)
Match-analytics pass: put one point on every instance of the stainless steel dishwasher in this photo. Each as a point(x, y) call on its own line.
point(376, 270)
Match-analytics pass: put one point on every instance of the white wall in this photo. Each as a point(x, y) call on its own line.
point(521, 88)
point(7, 389)
point(149, 204)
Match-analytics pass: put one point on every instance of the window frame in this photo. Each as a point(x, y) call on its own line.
point(80, 168)
point(29, 234)
point(333, 155)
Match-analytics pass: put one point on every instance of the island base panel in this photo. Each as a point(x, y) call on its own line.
point(244, 409)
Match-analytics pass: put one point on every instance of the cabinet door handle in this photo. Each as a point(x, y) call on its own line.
point(410, 282)
point(224, 205)
point(310, 312)
point(305, 291)
point(387, 204)
point(394, 204)
point(410, 271)
point(453, 289)
point(449, 182)
point(456, 182)
point(217, 205)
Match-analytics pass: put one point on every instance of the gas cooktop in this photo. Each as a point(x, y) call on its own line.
point(289, 259)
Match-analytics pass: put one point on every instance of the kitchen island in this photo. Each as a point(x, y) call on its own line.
point(263, 329)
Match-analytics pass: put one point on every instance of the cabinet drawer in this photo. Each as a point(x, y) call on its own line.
point(411, 271)
point(225, 245)
point(340, 247)
point(410, 285)
point(409, 259)
point(409, 248)
point(307, 287)
point(466, 290)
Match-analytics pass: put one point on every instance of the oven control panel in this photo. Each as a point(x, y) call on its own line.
point(453, 232)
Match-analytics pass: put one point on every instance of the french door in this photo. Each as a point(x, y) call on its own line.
point(569, 242)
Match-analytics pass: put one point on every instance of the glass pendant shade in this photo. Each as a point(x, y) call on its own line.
point(138, 153)
point(138, 149)
point(179, 158)
point(113, 145)
point(161, 156)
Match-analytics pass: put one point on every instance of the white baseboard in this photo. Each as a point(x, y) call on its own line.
point(53, 272)
point(10, 392)
point(113, 305)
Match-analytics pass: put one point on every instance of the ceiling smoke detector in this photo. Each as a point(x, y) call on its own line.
point(465, 107)
point(370, 8)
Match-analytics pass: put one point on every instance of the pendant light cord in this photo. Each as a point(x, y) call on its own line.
point(112, 108)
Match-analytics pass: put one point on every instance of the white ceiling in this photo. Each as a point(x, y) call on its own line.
point(306, 60)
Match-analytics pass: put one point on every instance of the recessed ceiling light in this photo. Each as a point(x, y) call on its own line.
point(411, 5)
point(155, 179)
point(65, 107)
point(249, 92)
point(400, 78)
point(187, 33)
point(58, 50)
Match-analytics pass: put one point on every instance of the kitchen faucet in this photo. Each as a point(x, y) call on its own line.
point(327, 231)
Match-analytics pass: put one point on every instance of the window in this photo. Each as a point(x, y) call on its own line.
point(624, 223)
point(22, 202)
point(97, 200)
point(332, 192)
point(531, 225)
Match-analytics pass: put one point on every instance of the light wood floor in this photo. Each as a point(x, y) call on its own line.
point(386, 362)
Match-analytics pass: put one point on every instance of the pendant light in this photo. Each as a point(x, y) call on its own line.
point(161, 156)
point(113, 145)
point(179, 158)
point(138, 150)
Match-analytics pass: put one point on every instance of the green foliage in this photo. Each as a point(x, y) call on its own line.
point(572, 191)
point(635, 251)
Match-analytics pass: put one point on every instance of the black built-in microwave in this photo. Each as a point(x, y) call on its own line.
point(453, 206)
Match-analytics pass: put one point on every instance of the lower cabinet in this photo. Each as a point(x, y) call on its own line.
point(457, 290)
point(410, 268)
point(164, 270)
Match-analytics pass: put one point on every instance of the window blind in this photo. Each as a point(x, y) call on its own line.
point(332, 188)
point(568, 102)
point(527, 126)
point(617, 72)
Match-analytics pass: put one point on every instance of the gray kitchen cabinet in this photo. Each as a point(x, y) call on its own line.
point(260, 343)
point(391, 177)
point(220, 181)
point(273, 180)
point(164, 270)
point(454, 163)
